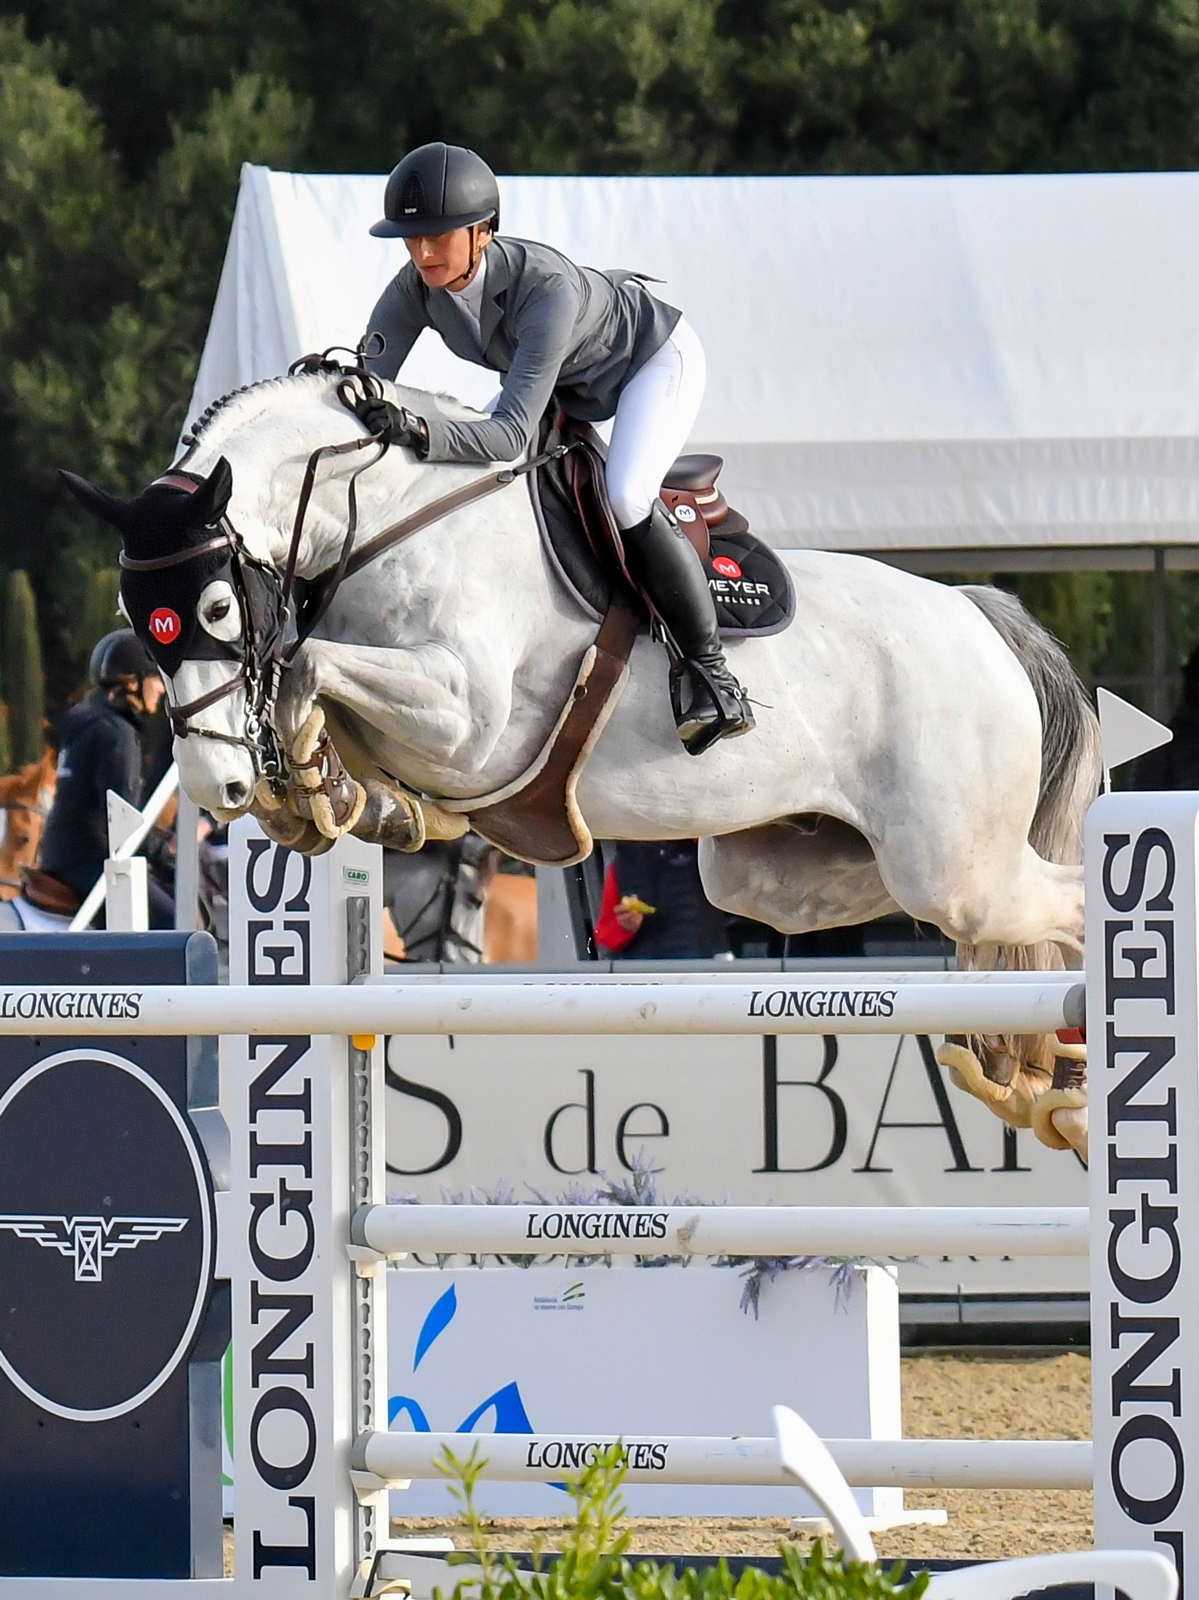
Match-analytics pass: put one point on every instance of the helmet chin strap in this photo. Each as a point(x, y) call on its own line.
point(476, 255)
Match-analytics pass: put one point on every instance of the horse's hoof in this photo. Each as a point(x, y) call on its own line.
point(966, 1073)
point(1013, 1102)
point(296, 833)
point(443, 825)
point(1059, 1120)
point(318, 786)
point(1060, 1114)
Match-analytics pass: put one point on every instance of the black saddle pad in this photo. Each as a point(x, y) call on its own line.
point(752, 588)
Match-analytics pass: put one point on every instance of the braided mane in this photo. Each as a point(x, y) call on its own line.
point(295, 384)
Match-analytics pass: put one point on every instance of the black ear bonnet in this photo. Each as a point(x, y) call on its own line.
point(160, 592)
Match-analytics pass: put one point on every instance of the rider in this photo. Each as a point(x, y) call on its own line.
point(100, 749)
point(599, 343)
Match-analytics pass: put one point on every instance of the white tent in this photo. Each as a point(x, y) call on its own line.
point(908, 366)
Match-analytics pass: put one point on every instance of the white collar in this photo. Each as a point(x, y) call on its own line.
point(472, 295)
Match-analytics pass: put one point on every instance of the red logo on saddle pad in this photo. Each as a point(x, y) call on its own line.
point(165, 626)
point(726, 567)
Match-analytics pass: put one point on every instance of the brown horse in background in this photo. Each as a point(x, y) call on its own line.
point(25, 801)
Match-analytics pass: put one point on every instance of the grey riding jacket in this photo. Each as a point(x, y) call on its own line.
point(550, 326)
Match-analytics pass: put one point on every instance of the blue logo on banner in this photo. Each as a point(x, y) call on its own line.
point(438, 1320)
point(506, 1403)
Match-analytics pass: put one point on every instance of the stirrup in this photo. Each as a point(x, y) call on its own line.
point(719, 707)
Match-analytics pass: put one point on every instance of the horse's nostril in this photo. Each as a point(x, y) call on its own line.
point(236, 795)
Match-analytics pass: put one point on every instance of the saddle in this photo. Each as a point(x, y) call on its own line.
point(751, 587)
point(48, 893)
point(537, 818)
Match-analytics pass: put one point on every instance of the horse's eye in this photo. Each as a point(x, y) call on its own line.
point(218, 611)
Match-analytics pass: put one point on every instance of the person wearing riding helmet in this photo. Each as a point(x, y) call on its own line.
point(598, 343)
point(99, 749)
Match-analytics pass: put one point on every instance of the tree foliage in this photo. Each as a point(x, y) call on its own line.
point(106, 283)
point(123, 124)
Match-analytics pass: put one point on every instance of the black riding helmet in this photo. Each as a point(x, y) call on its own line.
point(121, 654)
point(438, 188)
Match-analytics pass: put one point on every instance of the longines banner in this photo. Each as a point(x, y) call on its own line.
point(111, 1335)
point(1143, 1017)
point(297, 1159)
point(854, 1120)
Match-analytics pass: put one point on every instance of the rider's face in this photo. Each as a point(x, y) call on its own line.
point(444, 259)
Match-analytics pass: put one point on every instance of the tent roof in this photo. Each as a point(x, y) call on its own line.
point(894, 364)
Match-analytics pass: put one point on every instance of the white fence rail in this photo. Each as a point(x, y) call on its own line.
point(394, 1458)
point(725, 1230)
point(553, 1005)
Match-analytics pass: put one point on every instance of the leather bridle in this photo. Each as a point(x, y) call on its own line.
point(255, 585)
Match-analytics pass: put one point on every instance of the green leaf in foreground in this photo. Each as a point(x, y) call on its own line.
point(594, 1564)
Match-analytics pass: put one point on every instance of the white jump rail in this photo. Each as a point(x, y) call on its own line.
point(396, 1458)
point(396, 1230)
point(553, 1005)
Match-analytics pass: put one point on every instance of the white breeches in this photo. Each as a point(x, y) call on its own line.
point(654, 417)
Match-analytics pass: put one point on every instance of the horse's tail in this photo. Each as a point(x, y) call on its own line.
point(1070, 760)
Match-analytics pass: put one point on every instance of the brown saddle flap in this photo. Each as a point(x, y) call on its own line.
point(537, 818)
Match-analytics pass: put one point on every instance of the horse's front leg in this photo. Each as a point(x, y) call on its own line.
point(417, 697)
point(337, 776)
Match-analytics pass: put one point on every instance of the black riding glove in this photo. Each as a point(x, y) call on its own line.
point(393, 424)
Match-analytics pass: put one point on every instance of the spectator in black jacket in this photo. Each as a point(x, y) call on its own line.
point(1176, 765)
point(654, 907)
point(99, 749)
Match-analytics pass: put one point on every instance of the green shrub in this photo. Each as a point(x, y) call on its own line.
point(594, 1565)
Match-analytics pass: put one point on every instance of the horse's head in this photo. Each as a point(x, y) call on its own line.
point(25, 801)
point(211, 615)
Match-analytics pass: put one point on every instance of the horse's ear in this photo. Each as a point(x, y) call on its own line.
point(212, 497)
point(99, 501)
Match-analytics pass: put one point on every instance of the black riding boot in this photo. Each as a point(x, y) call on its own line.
point(661, 558)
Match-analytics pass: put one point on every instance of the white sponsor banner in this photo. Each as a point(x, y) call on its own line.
point(291, 1104)
point(854, 1120)
point(1143, 1009)
point(599, 1352)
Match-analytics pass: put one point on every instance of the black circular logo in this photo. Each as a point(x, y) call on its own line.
point(106, 1236)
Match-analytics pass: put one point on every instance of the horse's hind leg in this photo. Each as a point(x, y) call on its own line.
point(1017, 910)
point(797, 876)
point(990, 890)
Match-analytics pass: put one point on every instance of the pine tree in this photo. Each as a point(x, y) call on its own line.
point(101, 615)
point(23, 688)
